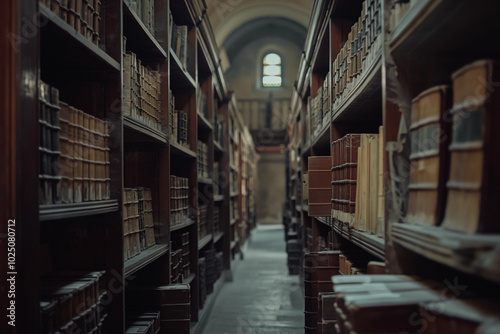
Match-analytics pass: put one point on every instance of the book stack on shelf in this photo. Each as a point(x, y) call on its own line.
point(201, 102)
point(173, 301)
point(186, 262)
point(219, 129)
point(319, 188)
point(202, 221)
point(138, 223)
point(218, 179)
point(143, 322)
point(71, 302)
point(74, 153)
point(353, 262)
point(49, 149)
point(234, 181)
point(141, 92)
point(179, 200)
point(203, 160)
point(179, 42)
point(217, 222)
point(360, 52)
point(145, 10)
point(319, 107)
point(210, 275)
point(84, 16)
point(179, 124)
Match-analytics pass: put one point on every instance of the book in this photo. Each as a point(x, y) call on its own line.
point(473, 196)
point(319, 186)
point(429, 156)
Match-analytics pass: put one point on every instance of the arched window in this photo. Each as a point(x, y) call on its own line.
point(271, 70)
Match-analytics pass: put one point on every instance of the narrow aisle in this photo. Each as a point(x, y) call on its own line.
point(263, 298)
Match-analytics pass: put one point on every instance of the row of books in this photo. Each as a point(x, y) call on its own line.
point(452, 182)
point(219, 130)
point(357, 181)
point(179, 200)
point(372, 297)
point(203, 160)
point(138, 223)
point(319, 107)
point(142, 322)
point(359, 52)
point(70, 302)
point(234, 181)
point(353, 263)
point(203, 229)
point(398, 11)
point(173, 301)
point(219, 179)
point(74, 152)
point(180, 262)
point(201, 102)
point(141, 92)
point(178, 40)
point(83, 15)
point(179, 124)
point(233, 209)
point(216, 217)
point(145, 10)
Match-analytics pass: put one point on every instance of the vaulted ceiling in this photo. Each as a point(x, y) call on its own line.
point(239, 22)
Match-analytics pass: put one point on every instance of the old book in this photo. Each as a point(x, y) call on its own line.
point(127, 84)
point(66, 159)
point(78, 171)
point(373, 183)
point(473, 196)
point(429, 156)
point(319, 190)
point(86, 158)
point(92, 158)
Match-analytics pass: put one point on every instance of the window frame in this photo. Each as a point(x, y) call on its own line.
point(262, 65)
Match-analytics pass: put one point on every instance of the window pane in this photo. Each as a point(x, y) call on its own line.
point(272, 59)
point(271, 81)
point(272, 70)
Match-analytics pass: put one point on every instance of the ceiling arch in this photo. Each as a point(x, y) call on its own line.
point(227, 16)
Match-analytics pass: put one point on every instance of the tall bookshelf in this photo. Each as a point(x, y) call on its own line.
point(374, 82)
point(145, 205)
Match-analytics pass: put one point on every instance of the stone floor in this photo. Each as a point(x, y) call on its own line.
point(263, 298)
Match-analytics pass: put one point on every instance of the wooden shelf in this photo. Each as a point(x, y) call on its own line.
point(466, 253)
point(322, 139)
point(369, 242)
point(139, 38)
point(205, 180)
point(184, 224)
point(145, 258)
point(181, 151)
point(203, 123)
point(218, 237)
point(218, 148)
point(218, 198)
point(136, 131)
point(80, 54)
point(189, 279)
point(65, 211)
point(179, 77)
point(364, 102)
point(323, 220)
point(204, 241)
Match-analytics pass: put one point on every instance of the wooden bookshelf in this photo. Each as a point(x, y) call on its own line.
point(416, 45)
point(89, 71)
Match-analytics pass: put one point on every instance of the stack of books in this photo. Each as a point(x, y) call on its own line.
point(141, 92)
point(360, 51)
point(83, 15)
point(71, 302)
point(219, 130)
point(49, 149)
point(145, 10)
point(176, 266)
point(179, 122)
point(179, 200)
point(201, 102)
point(203, 160)
point(179, 41)
point(74, 153)
point(142, 322)
point(202, 221)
